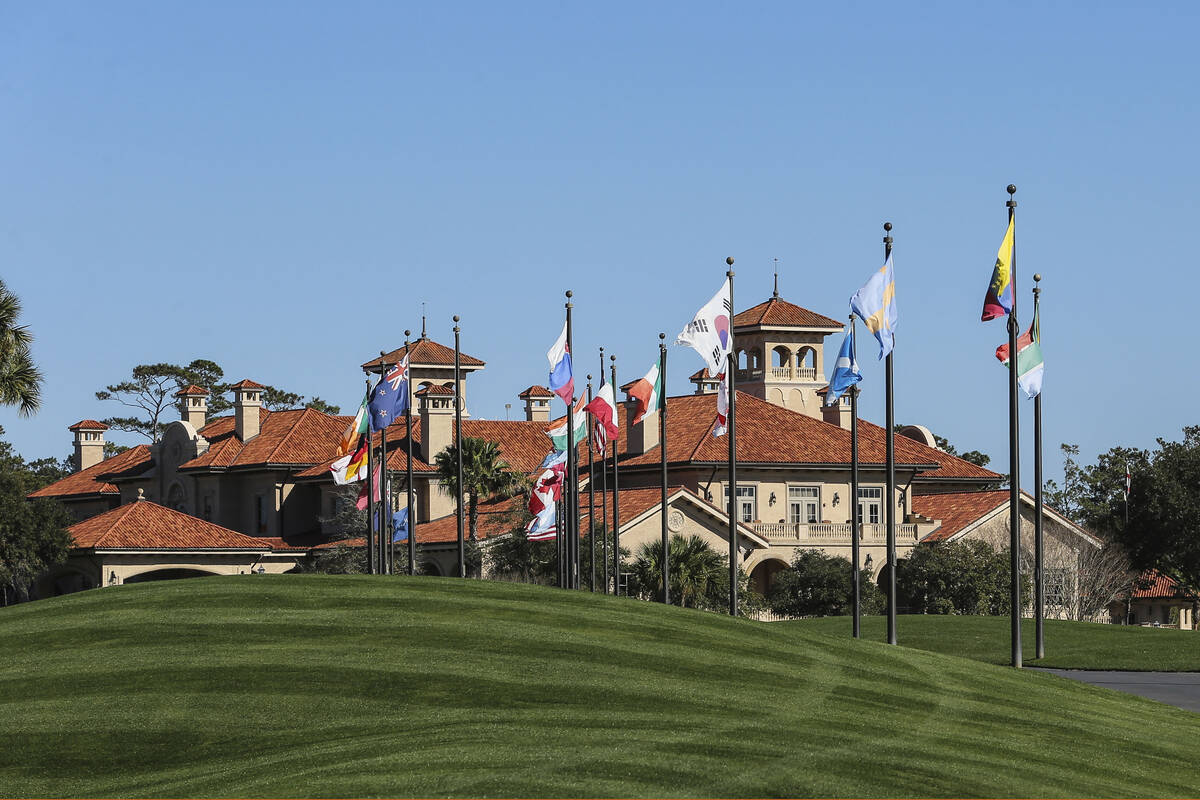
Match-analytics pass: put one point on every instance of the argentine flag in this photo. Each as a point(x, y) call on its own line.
point(845, 371)
point(875, 305)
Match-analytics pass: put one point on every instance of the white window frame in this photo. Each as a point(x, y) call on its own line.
point(747, 509)
point(804, 508)
point(864, 508)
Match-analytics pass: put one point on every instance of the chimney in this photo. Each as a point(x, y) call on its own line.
point(89, 443)
point(838, 413)
point(537, 403)
point(704, 383)
point(193, 406)
point(642, 437)
point(247, 407)
point(436, 408)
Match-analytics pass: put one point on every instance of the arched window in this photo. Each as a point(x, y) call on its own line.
point(782, 357)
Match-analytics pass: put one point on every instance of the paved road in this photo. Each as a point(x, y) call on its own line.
point(1179, 689)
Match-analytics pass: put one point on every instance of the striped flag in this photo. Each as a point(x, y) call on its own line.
point(648, 394)
point(1029, 359)
point(845, 371)
point(875, 305)
point(558, 434)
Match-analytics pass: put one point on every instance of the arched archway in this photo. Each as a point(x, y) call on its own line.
point(806, 363)
point(168, 574)
point(782, 357)
point(429, 567)
point(762, 577)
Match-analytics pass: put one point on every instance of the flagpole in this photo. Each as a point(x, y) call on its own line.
point(591, 498)
point(662, 446)
point(371, 565)
point(615, 448)
point(1014, 462)
point(604, 497)
point(890, 492)
point(1039, 587)
point(854, 520)
point(412, 516)
point(385, 497)
point(571, 497)
point(732, 378)
point(462, 548)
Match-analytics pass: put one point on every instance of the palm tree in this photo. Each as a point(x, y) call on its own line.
point(485, 474)
point(698, 572)
point(20, 380)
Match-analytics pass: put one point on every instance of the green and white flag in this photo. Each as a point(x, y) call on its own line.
point(1029, 359)
point(648, 394)
point(558, 434)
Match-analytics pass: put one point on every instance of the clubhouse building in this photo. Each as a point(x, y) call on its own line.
point(252, 491)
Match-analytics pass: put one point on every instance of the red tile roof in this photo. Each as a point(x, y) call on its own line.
point(535, 391)
point(88, 425)
point(701, 374)
point(957, 510)
point(780, 313)
point(1156, 585)
point(497, 517)
point(247, 384)
point(298, 437)
point(146, 525)
point(434, 388)
point(425, 353)
point(192, 389)
point(94, 479)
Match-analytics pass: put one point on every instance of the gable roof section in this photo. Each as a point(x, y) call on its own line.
point(962, 512)
point(425, 353)
point(95, 479)
point(779, 313)
point(298, 437)
point(88, 425)
point(636, 504)
point(1157, 586)
point(143, 525)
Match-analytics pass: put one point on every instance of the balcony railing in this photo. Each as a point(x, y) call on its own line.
point(831, 532)
point(778, 373)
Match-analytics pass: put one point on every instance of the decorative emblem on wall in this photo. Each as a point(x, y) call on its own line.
point(675, 520)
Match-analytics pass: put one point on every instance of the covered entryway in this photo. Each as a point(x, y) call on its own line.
point(762, 577)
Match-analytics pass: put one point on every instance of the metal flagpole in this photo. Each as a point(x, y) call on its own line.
point(604, 497)
point(371, 566)
point(662, 446)
point(890, 491)
point(385, 496)
point(591, 498)
point(732, 378)
point(615, 447)
point(1014, 452)
point(855, 526)
point(571, 495)
point(462, 547)
point(412, 515)
point(1039, 588)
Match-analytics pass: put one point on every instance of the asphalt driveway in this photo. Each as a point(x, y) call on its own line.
point(1179, 689)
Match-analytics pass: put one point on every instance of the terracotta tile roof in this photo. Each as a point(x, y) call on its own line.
point(770, 434)
point(535, 391)
point(957, 510)
point(247, 384)
point(298, 437)
point(146, 525)
point(1157, 585)
point(522, 444)
point(95, 479)
point(949, 467)
point(88, 425)
point(397, 444)
point(425, 352)
point(701, 374)
point(434, 388)
point(192, 389)
point(635, 502)
point(779, 312)
point(497, 516)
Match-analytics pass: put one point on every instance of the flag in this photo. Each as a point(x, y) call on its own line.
point(547, 489)
point(389, 398)
point(361, 503)
point(558, 434)
point(1029, 359)
point(554, 458)
point(604, 408)
point(1000, 292)
point(845, 370)
point(354, 431)
point(721, 426)
point(351, 467)
point(710, 333)
point(542, 527)
point(875, 305)
point(562, 379)
point(400, 526)
point(648, 394)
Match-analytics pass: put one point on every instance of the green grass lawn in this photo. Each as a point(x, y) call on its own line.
point(335, 686)
point(1069, 645)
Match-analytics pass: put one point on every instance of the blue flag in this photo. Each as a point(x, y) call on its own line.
point(845, 371)
point(875, 305)
point(389, 398)
point(400, 526)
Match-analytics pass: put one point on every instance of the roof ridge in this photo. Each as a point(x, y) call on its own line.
point(120, 518)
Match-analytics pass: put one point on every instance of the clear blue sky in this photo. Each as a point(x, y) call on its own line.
point(278, 187)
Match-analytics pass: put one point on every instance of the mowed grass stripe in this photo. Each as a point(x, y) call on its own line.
point(359, 686)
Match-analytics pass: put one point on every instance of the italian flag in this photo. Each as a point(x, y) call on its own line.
point(648, 394)
point(558, 435)
point(1029, 359)
point(354, 431)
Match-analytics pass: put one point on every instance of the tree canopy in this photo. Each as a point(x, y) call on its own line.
point(818, 584)
point(33, 533)
point(20, 379)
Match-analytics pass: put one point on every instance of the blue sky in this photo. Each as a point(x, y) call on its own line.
point(279, 187)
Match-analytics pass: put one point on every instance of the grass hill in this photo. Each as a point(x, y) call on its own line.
point(1069, 645)
point(355, 686)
